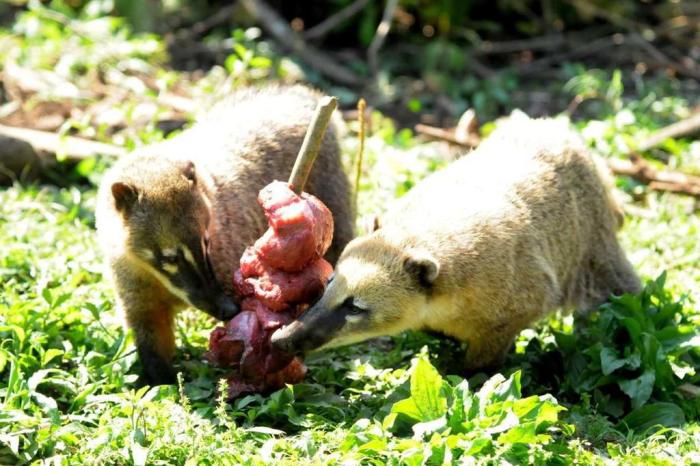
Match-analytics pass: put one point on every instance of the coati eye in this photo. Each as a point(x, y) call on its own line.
point(351, 307)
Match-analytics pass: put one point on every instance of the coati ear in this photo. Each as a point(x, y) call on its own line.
point(189, 172)
point(125, 195)
point(422, 266)
point(370, 223)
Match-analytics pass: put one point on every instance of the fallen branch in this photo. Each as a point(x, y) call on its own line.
point(658, 180)
point(449, 135)
point(333, 21)
point(679, 129)
point(68, 147)
point(276, 26)
point(380, 35)
point(200, 28)
point(635, 167)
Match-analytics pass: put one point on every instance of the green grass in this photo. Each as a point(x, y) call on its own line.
point(591, 391)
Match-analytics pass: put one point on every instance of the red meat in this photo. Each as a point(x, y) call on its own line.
point(293, 372)
point(240, 335)
point(280, 290)
point(268, 319)
point(301, 228)
point(278, 277)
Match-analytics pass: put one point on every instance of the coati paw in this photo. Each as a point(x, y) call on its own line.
point(160, 376)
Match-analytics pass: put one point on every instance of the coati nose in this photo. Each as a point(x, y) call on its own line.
point(227, 307)
point(283, 338)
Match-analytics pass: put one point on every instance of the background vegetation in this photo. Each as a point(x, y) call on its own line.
point(620, 387)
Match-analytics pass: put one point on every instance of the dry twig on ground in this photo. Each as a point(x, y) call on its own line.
point(324, 27)
point(69, 147)
point(679, 129)
point(379, 37)
point(278, 28)
point(659, 180)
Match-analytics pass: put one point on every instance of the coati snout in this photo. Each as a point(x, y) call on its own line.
point(358, 304)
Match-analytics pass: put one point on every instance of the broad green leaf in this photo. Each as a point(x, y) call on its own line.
point(655, 414)
point(639, 390)
point(407, 407)
point(523, 433)
point(427, 402)
point(609, 361)
point(50, 354)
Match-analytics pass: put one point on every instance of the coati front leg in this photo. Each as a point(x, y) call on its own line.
point(487, 354)
point(149, 309)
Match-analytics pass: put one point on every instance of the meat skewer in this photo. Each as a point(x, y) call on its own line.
point(279, 275)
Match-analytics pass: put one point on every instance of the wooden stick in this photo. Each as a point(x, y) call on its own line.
point(659, 180)
point(333, 21)
point(312, 143)
point(70, 147)
point(636, 167)
point(361, 106)
point(278, 28)
point(380, 35)
point(446, 135)
point(675, 130)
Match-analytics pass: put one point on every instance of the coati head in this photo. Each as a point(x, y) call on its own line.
point(377, 289)
point(166, 210)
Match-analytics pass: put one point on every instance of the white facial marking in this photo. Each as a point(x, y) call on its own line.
point(352, 318)
point(189, 257)
point(170, 253)
point(357, 302)
point(170, 268)
point(148, 254)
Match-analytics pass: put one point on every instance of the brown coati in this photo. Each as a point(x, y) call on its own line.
point(174, 218)
point(522, 226)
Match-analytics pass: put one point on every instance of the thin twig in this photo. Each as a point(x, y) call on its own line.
point(679, 129)
point(659, 180)
point(202, 27)
point(581, 51)
point(70, 147)
point(662, 58)
point(361, 106)
point(276, 26)
point(324, 27)
point(446, 135)
point(636, 167)
point(379, 37)
point(312, 143)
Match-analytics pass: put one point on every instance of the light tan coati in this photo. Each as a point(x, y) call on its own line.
point(174, 218)
point(478, 251)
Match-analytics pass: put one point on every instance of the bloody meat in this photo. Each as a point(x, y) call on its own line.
point(278, 277)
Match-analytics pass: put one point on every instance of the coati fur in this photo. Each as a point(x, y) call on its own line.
point(173, 218)
point(522, 226)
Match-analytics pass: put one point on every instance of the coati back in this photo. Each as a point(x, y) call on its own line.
point(478, 251)
point(174, 218)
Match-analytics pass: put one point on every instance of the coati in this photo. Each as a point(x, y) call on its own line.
point(174, 218)
point(522, 226)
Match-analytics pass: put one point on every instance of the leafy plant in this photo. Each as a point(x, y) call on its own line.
point(631, 356)
point(450, 422)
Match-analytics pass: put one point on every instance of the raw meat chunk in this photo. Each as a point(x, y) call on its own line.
point(278, 277)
